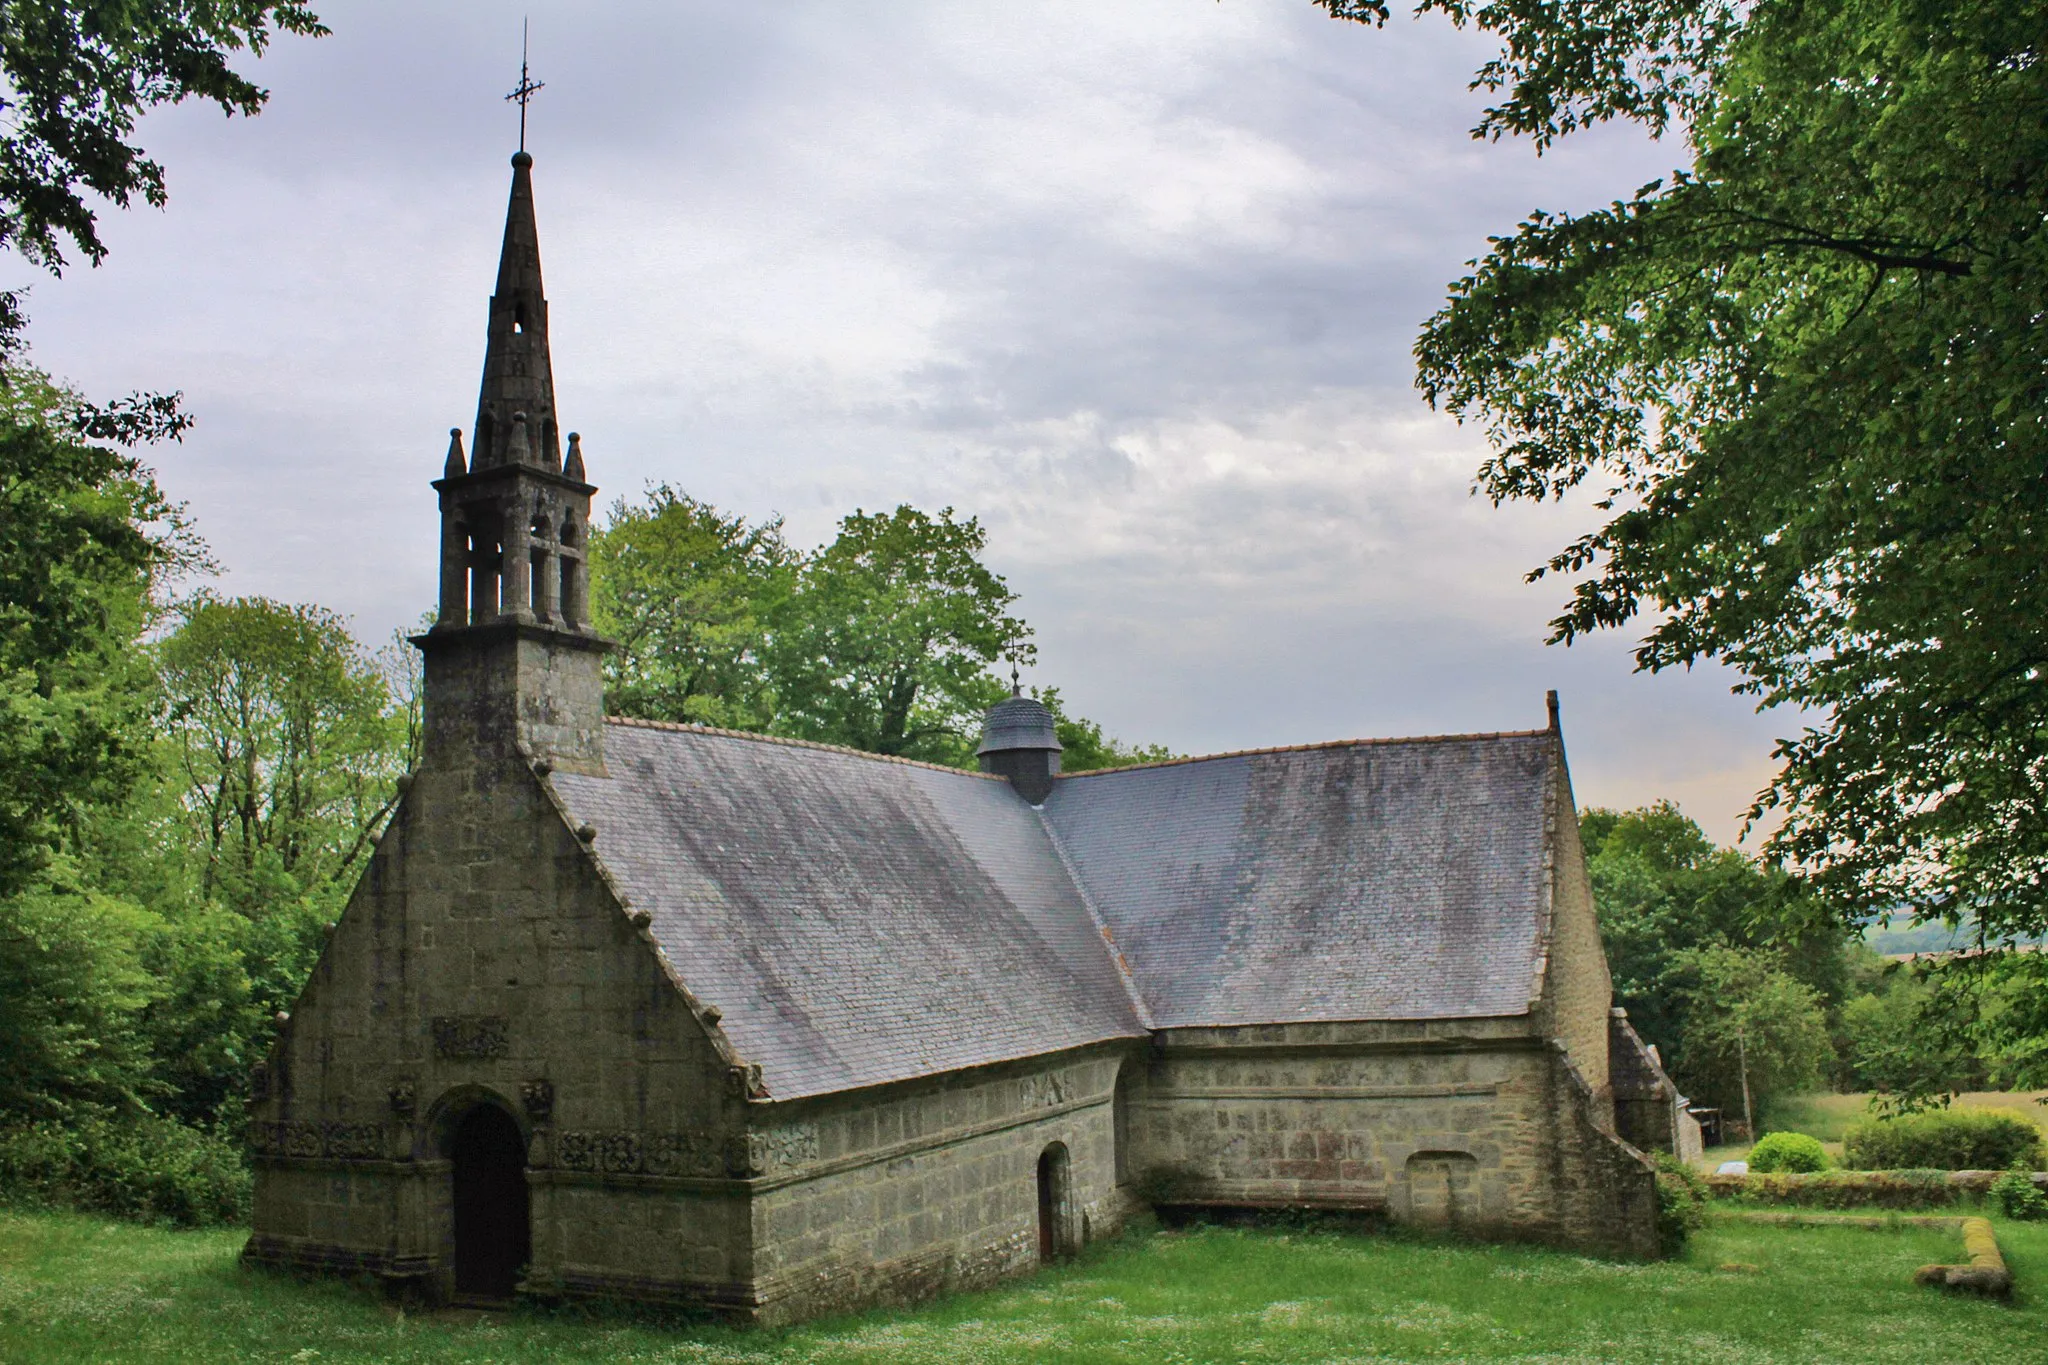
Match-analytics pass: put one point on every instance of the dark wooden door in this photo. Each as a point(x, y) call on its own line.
point(1052, 1203)
point(492, 1236)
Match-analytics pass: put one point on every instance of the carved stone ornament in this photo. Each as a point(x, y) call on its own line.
point(538, 1096)
point(471, 1037)
point(404, 1098)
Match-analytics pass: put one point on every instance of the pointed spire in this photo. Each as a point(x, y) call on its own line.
point(573, 467)
point(455, 467)
point(518, 375)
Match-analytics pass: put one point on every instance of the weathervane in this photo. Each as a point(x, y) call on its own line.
point(523, 92)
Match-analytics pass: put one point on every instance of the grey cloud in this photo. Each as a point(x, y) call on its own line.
point(1137, 284)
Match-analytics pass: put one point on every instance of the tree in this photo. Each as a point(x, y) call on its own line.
point(1752, 1031)
point(1085, 748)
point(79, 73)
point(886, 642)
point(1804, 379)
point(688, 591)
point(1665, 892)
point(286, 743)
point(73, 990)
point(85, 537)
point(1897, 1041)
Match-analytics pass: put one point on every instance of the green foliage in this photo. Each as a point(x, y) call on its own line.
point(1803, 381)
point(688, 593)
point(886, 642)
point(883, 640)
point(2015, 1194)
point(1665, 895)
point(1943, 1139)
point(1750, 1028)
point(79, 74)
point(282, 732)
point(1794, 1153)
point(135, 1167)
point(1086, 749)
point(73, 989)
point(84, 536)
point(1902, 1039)
point(1681, 1203)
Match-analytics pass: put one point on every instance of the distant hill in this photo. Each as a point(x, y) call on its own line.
point(1901, 938)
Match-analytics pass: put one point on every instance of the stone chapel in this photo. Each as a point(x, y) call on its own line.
point(771, 1028)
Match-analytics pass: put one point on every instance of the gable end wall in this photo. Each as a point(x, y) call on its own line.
point(484, 958)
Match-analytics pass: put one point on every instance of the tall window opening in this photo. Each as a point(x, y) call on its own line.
point(485, 558)
point(493, 1226)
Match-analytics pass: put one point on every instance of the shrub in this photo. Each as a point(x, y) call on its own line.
point(1943, 1139)
point(2015, 1195)
point(1681, 1203)
point(148, 1168)
point(1794, 1152)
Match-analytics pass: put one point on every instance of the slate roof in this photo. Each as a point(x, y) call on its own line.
point(857, 920)
point(1399, 879)
point(860, 920)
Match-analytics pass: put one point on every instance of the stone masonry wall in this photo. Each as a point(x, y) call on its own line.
point(900, 1193)
point(1577, 989)
point(484, 959)
point(1469, 1123)
point(1336, 1116)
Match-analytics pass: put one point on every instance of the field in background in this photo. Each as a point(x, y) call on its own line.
point(1828, 1117)
point(82, 1289)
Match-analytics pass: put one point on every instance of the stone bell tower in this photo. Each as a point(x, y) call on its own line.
point(512, 664)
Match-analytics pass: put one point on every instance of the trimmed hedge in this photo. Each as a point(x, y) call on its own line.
point(1944, 1139)
point(148, 1168)
point(1788, 1152)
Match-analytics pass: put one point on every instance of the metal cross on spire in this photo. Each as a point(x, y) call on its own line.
point(523, 93)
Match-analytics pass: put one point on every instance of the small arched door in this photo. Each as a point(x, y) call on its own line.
point(1053, 1218)
point(493, 1238)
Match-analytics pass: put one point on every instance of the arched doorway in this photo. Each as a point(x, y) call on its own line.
point(492, 1236)
point(1054, 1216)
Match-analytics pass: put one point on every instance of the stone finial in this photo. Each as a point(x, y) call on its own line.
point(456, 466)
point(573, 466)
point(519, 448)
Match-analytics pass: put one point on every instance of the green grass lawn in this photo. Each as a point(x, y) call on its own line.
point(79, 1289)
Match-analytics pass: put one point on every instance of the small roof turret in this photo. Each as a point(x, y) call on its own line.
point(1018, 722)
point(1019, 740)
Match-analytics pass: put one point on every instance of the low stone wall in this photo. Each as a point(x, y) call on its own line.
point(1860, 1189)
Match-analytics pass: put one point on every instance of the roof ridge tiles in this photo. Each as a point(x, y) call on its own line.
point(1307, 748)
point(683, 727)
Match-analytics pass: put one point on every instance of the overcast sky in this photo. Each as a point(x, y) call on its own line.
point(1134, 283)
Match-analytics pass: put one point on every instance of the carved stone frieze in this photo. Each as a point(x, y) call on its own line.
point(471, 1037)
point(629, 1153)
point(338, 1141)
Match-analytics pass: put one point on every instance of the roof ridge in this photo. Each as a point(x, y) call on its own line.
point(685, 727)
point(1308, 748)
